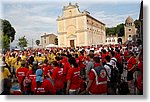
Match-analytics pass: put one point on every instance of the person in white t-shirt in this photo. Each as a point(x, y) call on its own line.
point(108, 67)
point(113, 60)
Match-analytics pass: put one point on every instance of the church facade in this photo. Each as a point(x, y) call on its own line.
point(77, 28)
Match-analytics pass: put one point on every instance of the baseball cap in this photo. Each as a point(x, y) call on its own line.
point(39, 74)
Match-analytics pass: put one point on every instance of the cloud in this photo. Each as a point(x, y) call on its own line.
point(82, 1)
point(112, 19)
point(32, 19)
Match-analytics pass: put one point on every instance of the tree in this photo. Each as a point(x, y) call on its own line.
point(37, 42)
point(22, 42)
point(5, 41)
point(137, 23)
point(56, 41)
point(119, 29)
point(7, 33)
point(111, 31)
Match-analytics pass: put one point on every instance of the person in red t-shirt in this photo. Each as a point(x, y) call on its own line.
point(131, 63)
point(103, 56)
point(118, 56)
point(21, 74)
point(73, 78)
point(139, 59)
point(77, 58)
point(126, 54)
point(46, 69)
point(66, 66)
point(41, 86)
point(97, 82)
point(29, 77)
point(58, 78)
point(82, 64)
point(140, 84)
point(140, 77)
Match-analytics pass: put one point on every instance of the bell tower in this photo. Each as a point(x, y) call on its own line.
point(129, 28)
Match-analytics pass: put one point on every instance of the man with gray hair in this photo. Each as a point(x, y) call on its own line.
point(89, 64)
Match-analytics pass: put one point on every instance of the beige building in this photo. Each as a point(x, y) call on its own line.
point(129, 29)
point(112, 39)
point(47, 39)
point(77, 28)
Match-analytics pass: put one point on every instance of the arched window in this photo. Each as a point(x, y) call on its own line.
point(70, 13)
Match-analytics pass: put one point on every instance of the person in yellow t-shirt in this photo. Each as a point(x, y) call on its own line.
point(5, 74)
point(13, 61)
point(43, 57)
point(52, 57)
point(48, 57)
point(23, 57)
point(7, 60)
point(39, 58)
point(17, 64)
point(35, 58)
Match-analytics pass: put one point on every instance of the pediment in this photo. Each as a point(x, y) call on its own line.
point(72, 36)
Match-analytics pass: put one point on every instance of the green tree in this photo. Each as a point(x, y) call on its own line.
point(56, 41)
point(111, 31)
point(22, 42)
point(5, 41)
point(137, 23)
point(120, 29)
point(37, 42)
point(7, 33)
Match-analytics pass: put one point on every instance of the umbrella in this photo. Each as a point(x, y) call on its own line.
point(51, 45)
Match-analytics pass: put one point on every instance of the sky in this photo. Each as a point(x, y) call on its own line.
point(33, 18)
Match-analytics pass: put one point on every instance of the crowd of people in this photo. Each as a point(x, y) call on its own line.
point(101, 70)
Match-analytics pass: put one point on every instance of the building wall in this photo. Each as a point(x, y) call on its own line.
point(80, 27)
point(111, 40)
point(47, 39)
point(129, 30)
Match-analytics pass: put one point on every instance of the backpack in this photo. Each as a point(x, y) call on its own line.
point(102, 72)
point(119, 66)
point(115, 75)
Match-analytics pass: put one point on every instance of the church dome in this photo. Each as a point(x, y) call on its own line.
point(129, 20)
